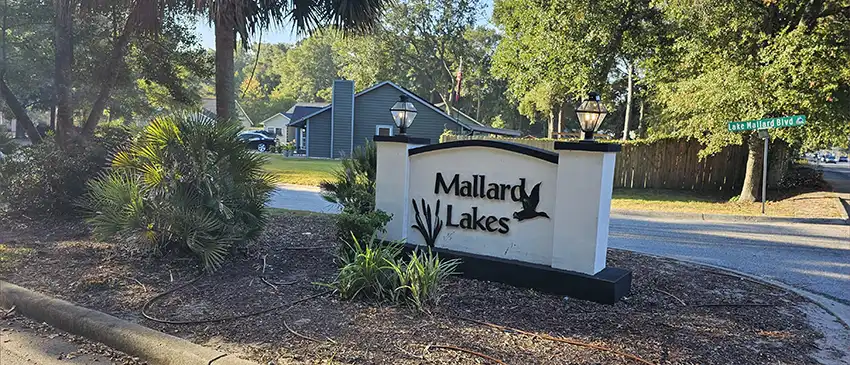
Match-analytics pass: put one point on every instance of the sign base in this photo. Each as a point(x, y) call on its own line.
point(607, 286)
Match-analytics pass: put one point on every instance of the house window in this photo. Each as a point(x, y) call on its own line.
point(383, 130)
point(278, 131)
point(270, 129)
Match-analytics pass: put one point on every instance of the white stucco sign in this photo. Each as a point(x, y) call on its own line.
point(492, 202)
point(499, 200)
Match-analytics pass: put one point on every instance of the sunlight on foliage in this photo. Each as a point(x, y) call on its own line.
point(187, 184)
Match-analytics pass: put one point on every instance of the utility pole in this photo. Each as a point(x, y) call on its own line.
point(628, 104)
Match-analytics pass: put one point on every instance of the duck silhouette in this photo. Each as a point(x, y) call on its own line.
point(529, 205)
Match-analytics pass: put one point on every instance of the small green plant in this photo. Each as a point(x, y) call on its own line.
point(186, 184)
point(360, 226)
point(421, 277)
point(368, 272)
point(353, 185)
point(375, 271)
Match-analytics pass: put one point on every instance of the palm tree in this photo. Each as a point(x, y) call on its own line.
point(247, 17)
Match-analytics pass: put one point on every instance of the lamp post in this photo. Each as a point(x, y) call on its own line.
point(590, 114)
point(403, 113)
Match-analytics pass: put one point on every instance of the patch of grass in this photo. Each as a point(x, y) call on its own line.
point(300, 171)
point(12, 256)
point(808, 205)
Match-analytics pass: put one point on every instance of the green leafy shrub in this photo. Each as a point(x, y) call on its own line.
point(375, 271)
point(368, 273)
point(421, 276)
point(46, 180)
point(359, 226)
point(7, 143)
point(186, 184)
point(353, 186)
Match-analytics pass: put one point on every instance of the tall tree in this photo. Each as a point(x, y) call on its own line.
point(249, 17)
point(63, 28)
point(553, 53)
point(741, 60)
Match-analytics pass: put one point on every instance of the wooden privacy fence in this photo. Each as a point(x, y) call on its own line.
point(663, 164)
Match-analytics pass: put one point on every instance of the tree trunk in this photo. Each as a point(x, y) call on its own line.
point(225, 42)
point(641, 125)
point(628, 105)
point(752, 177)
point(62, 76)
point(551, 125)
point(110, 73)
point(21, 117)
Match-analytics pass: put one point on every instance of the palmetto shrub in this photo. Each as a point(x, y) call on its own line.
point(187, 184)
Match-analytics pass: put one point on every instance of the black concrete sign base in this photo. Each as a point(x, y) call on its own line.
point(606, 287)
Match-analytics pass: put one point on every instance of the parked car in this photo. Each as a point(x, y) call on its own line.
point(842, 159)
point(828, 159)
point(258, 140)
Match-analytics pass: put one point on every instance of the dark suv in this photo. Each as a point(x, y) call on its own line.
point(258, 140)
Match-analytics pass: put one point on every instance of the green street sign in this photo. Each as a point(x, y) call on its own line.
point(781, 122)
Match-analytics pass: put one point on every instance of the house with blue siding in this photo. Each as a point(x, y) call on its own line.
point(352, 119)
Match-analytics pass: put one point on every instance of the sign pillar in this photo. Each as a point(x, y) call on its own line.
point(583, 205)
point(392, 181)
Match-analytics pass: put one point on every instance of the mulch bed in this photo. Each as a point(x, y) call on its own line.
point(676, 314)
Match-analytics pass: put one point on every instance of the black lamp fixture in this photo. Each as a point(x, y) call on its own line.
point(403, 113)
point(590, 113)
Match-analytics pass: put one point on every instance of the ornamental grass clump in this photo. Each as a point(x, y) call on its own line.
point(187, 184)
point(375, 270)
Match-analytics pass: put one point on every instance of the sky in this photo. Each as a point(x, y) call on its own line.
point(285, 34)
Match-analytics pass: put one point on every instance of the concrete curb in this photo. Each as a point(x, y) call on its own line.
point(843, 208)
point(131, 338)
point(839, 310)
point(729, 218)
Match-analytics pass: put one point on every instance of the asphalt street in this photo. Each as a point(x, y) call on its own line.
point(812, 257)
point(838, 175)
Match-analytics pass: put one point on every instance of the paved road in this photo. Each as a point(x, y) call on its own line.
point(812, 257)
point(838, 175)
point(299, 197)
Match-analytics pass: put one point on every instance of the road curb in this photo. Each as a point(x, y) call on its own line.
point(730, 218)
point(839, 310)
point(153, 346)
point(843, 208)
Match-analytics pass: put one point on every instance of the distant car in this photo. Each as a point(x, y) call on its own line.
point(258, 140)
point(842, 159)
point(829, 159)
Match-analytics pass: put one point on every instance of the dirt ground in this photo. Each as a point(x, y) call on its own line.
point(676, 314)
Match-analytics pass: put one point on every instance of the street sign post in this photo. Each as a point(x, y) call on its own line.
point(769, 123)
point(763, 125)
point(764, 134)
